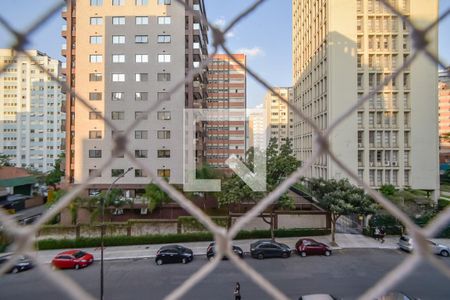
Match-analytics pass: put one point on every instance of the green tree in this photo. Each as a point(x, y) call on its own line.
point(280, 164)
point(387, 190)
point(340, 197)
point(54, 176)
point(206, 172)
point(5, 160)
point(155, 196)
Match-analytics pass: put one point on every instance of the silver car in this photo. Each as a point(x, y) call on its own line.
point(406, 243)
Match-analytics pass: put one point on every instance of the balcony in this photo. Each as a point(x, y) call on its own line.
point(63, 50)
point(64, 13)
point(64, 31)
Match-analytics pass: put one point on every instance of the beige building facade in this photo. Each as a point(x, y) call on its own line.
point(342, 50)
point(123, 57)
point(278, 115)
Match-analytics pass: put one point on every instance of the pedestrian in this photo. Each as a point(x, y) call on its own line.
point(382, 234)
point(377, 233)
point(237, 291)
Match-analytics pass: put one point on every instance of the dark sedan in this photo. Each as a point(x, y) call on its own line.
point(311, 247)
point(268, 248)
point(173, 254)
point(211, 251)
point(22, 264)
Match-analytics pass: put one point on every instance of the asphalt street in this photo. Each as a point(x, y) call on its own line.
point(345, 274)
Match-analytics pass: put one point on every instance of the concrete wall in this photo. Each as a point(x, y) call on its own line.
point(302, 221)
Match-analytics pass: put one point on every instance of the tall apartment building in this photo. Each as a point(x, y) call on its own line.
point(257, 130)
point(226, 90)
point(31, 117)
point(444, 113)
point(123, 56)
point(343, 49)
point(278, 115)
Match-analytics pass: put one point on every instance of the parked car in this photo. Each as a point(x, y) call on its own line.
point(395, 296)
point(22, 264)
point(72, 259)
point(311, 247)
point(211, 251)
point(268, 248)
point(174, 254)
point(406, 243)
point(317, 297)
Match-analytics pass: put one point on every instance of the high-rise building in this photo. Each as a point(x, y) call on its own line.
point(227, 85)
point(31, 116)
point(344, 49)
point(444, 114)
point(257, 130)
point(123, 57)
point(278, 115)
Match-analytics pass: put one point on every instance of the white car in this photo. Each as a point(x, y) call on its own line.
point(406, 243)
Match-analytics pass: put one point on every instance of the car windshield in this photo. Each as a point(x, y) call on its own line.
point(79, 254)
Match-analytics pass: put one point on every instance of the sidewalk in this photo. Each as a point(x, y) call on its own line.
point(344, 241)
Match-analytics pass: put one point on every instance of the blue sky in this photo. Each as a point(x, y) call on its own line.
point(265, 35)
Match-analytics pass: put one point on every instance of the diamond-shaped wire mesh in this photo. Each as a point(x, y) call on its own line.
point(23, 236)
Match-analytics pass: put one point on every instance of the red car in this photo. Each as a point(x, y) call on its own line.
point(311, 247)
point(72, 259)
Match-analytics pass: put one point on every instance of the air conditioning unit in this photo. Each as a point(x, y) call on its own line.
point(360, 145)
point(387, 163)
point(144, 210)
point(372, 164)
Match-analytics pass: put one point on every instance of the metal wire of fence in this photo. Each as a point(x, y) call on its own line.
point(23, 236)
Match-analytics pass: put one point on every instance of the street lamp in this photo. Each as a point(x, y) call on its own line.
point(102, 231)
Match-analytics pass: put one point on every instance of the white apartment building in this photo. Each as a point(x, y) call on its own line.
point(31, 117)
point(257, 130)
point(279, 117)
point(342, 50)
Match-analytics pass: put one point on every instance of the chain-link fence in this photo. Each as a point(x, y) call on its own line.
point(23, 236)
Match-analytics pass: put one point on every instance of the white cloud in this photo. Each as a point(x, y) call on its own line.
point(230, 34)
point(255, 51)
point(220, 22)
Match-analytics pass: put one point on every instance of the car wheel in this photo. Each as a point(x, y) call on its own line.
point(15, 270)
point(77, 266)
point(327, 253)
point(260, 256)
point(285, 255)
point(211, 258)
point(444, 253)
point(159, 262)
point(184, 261)
point(303, 254)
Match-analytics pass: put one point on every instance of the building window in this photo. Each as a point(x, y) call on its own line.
point(118, 2)
point(118, 39)
point(141, 77)
point(141, 2)
point(164, 39)
point(141, 58)
point(118, 77)
point(163, 134)
point(118, 20)
point(163, 96)
point(95, 77)
point(141, 39)
point(95, 96)
point(141, 134)
point(95, 39)
point(164, 20)
point(96, 2)
point(164, 2)
point(164, 153)
point(118, 115)
point(141, 153)
point(95, 134)
point(95, 115)
point(163, 76)
point(118, 96)
point(164, 58)
point(141, 20)
point(96, 59)
point(95, 153)
point(140, 115)
point(139, 173)
point(164, 115)
point(96, 21)
point(94, 173)
point(164, 173)
point(117, 172)
point(141, 96)
point(118, 58)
